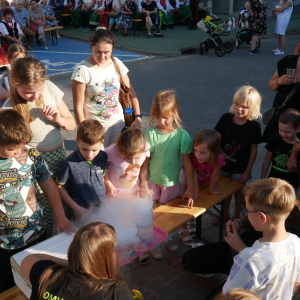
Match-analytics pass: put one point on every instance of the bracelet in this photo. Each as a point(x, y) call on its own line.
point(277, 82)
point(139, 116)
point(239, 221)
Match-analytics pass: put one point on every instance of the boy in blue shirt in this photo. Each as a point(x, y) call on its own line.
point(84, 169)
point(22, 223)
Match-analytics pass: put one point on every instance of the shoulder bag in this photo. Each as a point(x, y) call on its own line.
point(114, 14)
point(124, 97)
point(271, 117)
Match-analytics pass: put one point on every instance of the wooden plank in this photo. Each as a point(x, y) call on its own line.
point(53, 28)
point(13, 293)
point(174, 214)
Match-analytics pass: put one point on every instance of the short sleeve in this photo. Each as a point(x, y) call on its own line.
point(218, 127)
point(124, 293)
point(42, 12)
point(27, 14)
point(270, 146)
point(281, 65)
point(38, 269)
point(80, 74)
point(63, 173)
point(123, 69)
point(150, 140)
point(3, 29)
point(147, 150)
point(256, 136)
point(111, 152)
point(186, 143)
point(221, 161)
point(56, 93)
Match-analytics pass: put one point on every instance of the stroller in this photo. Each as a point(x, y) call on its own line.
point(243, 35)
point(214, 41)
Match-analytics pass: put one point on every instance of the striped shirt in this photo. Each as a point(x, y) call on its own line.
point(21, 17)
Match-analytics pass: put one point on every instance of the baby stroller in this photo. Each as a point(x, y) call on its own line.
point(243, 35)
point(214, 41)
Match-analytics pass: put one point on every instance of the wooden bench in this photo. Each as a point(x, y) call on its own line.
point(174, 214)
point(53, 33)
point(137, 24)
point(13, 293)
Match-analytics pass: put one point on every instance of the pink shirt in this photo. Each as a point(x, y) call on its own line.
point(122, 174)
point(205, 170)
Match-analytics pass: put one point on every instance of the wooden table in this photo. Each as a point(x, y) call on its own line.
point(13, 293)
point(174, 214)
point(53, 33)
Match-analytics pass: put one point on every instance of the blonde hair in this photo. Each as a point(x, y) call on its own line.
point(16, 48)
point(130, 142)
point(237, 294)
point(211, 139)
point(165, 103)
point(271, 195)
point(248, 95)
point(26, 71)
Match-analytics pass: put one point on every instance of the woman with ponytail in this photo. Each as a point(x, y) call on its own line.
point(40, 103)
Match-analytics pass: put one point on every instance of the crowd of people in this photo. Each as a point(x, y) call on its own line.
point(42, 189)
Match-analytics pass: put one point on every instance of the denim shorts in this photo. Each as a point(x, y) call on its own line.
point(235, 176)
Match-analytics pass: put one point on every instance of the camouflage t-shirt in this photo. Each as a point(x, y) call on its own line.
point(21, 211)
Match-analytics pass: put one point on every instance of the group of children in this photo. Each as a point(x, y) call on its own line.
point(140, 165)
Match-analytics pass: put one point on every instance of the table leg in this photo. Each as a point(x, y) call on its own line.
point(198, 227)
point(54, 37)
point(222, 221)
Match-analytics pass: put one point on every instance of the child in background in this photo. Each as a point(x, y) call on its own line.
point(127, 159)
point(208, 160)
point(237, 294)
point(239, 134)
point(270, 268)
point(168, 141)
point(21, 212)
point(84, 169)
point(280, 149)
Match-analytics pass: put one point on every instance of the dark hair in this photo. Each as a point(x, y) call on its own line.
point(92, 255)
point(103, 35)
point(90, 132)
point(290, 116)
point(13, 128)
point(7, 11)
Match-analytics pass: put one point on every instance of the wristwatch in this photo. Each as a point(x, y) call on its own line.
point(138, 115)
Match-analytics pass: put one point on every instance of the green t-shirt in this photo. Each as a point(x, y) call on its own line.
point(165, 153)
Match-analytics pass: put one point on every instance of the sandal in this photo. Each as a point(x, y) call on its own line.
point(217, 220)
point(148, 36)
point(156, 253)
point(192, 230)
point(143, 259)
point(171, 245)
point(186, 239)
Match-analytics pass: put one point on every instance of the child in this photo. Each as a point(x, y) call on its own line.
point(22, 222)
point(237, 294)
point(127, 159)
point(280, 149)
point(168, 141)
point(84, 169)
point(239, 134)
point(271, 267)
point(208, 160)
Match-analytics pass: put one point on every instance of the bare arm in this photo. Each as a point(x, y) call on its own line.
point(134, 102)
point(214, 180)
point(296, 287)
point(283, 7)
point(144, 178)
point(277, 81)
point(3, 94)
point(110, 188)
point(52, 195)
point(248, 7)
point(190, 192)
point(266, 164)
point(30, 260)
point(252, 158)
point(35, 22)
point(8, 37)
point(78, 91)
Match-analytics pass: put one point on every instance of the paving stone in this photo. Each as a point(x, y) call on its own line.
point(178, 266)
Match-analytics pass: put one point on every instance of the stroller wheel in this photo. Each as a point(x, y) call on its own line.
point(201, 49)
point(237, 43)
point(258, 44)
point(220, 51)
point(228, 47)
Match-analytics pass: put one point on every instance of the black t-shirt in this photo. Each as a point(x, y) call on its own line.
point(281, 151)
point(289, 61)
point(149, 7)
point(65, 288)
point(236, 142)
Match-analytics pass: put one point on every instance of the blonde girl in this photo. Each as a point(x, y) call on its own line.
point(15, 51)
point(208, 160)
point(239, 135)
point(40, 102)
point(168, 142)
point(237, 294)
point(127, 173)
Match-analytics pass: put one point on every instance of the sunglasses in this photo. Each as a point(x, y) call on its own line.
point(245, 212)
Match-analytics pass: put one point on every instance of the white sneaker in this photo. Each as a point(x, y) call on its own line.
point(279, 53)
point(276, 50)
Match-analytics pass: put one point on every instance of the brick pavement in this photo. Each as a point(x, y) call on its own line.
point(205, 86)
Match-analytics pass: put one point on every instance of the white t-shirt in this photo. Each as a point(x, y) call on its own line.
point(123, 175)
point(3, 29)
point(268, 270)
point(116, 3)
point(102, 92)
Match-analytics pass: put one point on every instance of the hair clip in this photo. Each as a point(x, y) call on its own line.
point(99, 28)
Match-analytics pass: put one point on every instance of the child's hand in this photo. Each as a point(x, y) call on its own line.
point(111, 191)
point(144, 191)
point(79, 211)
point(51, 113)
point(190, 203)
point(63, 224)
point(233, 239)
point(190, 195)
point(245, 177)
point(215, 192)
